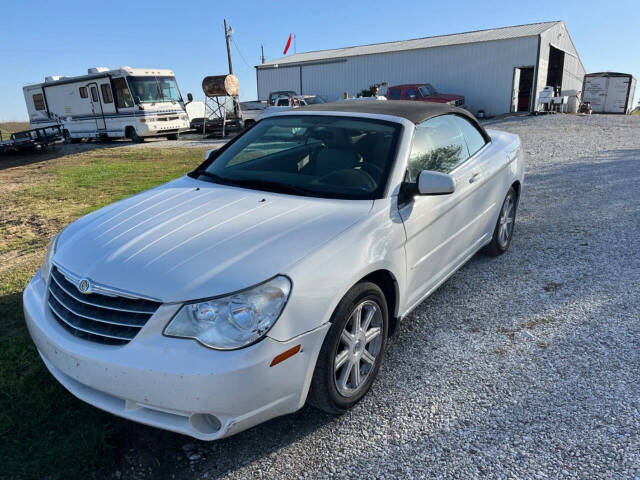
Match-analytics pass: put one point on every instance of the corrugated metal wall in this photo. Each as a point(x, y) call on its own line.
point(272, 79)
point(573, 73)
point(483, 72)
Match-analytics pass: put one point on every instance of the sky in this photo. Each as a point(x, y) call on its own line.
point(67, 37)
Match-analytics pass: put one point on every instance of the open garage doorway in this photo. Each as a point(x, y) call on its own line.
point(556, 69)
point(522, 89)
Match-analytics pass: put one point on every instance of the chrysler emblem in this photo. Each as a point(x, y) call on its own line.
point(84, 286)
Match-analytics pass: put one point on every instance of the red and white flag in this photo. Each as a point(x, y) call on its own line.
point(286, 47)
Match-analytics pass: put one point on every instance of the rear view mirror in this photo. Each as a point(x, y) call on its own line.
point(435, 183)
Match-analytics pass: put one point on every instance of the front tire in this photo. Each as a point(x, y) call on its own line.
point(353, 350)
point(133, 135)
point(173, 136)
point(503, 231)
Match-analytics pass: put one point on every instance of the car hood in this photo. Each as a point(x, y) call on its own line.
point(191, 239)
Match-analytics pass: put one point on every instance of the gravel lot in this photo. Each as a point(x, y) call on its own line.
point(525, 366)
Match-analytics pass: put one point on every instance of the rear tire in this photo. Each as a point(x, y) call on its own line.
point(505, 226)
point(357, 339)
point(173, 136)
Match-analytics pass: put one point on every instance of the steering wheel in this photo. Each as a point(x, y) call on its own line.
point(349, 177)
point(371, 168)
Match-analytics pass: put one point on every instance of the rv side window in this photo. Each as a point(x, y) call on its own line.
point(94, 94)
point(38, 101)
point(123, 96)
point(83, 92)
point(106, 93)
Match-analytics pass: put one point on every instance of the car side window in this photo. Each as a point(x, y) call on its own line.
point(106, 93)
point(475, 140)
point(438, 145)
point(411, 94)
point(395, 94)
point(123, 96)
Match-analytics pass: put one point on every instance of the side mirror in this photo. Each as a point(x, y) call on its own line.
point(189, 97)
point(137, 99)
point(435, 183)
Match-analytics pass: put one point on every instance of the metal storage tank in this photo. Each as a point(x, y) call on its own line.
point(499, 70)
point(609, 92)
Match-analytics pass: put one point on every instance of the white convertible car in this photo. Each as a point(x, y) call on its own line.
point(275, 272)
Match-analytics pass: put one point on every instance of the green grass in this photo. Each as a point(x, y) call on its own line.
point(44, 431)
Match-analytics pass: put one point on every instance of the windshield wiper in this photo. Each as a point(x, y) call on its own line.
point(254, 184)
point(275, 187)
point(212, 176)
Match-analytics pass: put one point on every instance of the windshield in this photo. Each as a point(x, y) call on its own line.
point(313, 155)
point(427, 90)
point(154, 89)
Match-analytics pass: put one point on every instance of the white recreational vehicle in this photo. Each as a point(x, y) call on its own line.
point(125, 102)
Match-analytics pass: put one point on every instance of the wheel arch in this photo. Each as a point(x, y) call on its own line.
point(389, 286)
point(517, 186)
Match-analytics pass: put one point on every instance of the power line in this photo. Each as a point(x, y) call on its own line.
point(240, 53)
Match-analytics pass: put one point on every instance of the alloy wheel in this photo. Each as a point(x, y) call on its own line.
point(507, 219)
point(359, 348)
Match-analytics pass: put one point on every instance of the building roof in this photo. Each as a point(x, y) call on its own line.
point(415, 112)
point(414, 44)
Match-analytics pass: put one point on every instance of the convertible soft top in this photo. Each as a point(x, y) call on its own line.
point(416, 112)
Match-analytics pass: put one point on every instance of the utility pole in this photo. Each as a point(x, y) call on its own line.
point(227, 34)
point(262, 52)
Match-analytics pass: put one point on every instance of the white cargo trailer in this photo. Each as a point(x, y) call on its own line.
point(609, 92)
point(124, 102)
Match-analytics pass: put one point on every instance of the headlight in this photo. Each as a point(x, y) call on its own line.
point(233, 321)
point(45, 270)
point(452, 102)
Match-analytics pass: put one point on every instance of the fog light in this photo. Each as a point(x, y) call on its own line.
point(205, 423)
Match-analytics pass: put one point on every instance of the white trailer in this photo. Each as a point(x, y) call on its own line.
point(126, 102)
point(609, 92)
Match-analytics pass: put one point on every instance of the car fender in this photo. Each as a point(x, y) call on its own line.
point(323, 277)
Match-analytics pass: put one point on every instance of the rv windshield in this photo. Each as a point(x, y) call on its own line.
point(154, 89)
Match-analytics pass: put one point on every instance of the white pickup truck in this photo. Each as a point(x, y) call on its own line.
point(254, 111)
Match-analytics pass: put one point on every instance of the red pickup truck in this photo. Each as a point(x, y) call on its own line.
point(423, 92)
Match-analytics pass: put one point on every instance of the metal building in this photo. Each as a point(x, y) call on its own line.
point(499, 70)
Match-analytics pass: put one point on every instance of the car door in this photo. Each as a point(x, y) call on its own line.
point(96, 106)
point(441, 230)
point(486, 165)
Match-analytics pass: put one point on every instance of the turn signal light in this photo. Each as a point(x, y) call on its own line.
point(284, 355)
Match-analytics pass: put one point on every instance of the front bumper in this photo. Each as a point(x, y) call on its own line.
point(157, 128)
point(171, 383)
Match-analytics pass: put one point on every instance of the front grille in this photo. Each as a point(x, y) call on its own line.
point(95, 317)
point(459, 102)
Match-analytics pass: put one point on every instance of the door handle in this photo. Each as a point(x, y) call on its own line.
point(475, 177)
